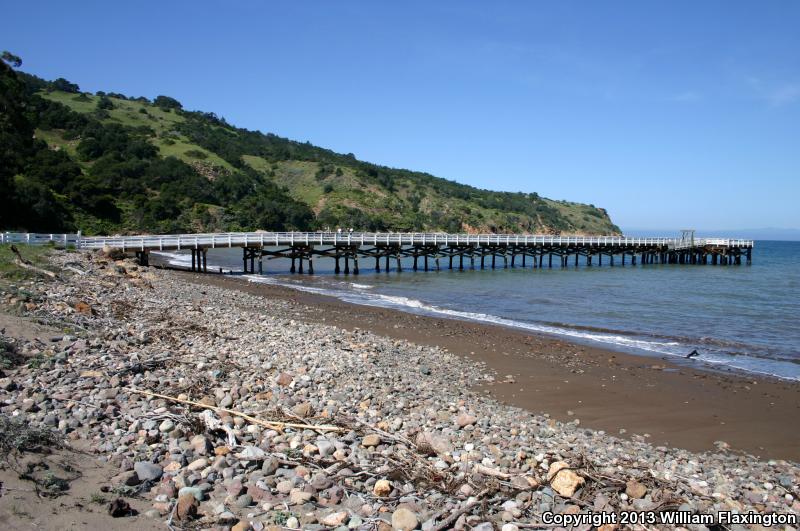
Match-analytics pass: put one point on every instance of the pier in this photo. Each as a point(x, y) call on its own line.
point(429, 251)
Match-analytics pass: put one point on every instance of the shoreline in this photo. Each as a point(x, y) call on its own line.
point(651, 399)
point(558, 330)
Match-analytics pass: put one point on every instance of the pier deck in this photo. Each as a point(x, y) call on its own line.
point(523, 250)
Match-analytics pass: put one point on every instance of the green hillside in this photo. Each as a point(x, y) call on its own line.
point(108, 163)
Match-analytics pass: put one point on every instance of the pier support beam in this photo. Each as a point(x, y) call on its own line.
point(143, 258)
point(248, 259)
point(568, 253)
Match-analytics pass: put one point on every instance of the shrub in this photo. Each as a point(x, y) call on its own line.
point(196, 154)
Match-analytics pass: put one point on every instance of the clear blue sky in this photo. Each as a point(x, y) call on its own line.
point(669, 114)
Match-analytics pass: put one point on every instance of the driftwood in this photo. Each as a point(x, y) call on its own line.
point(486, 471)
point(273, 424)
point(25, 264)
point(448, 522)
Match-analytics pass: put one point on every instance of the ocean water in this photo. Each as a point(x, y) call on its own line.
point(743, 318)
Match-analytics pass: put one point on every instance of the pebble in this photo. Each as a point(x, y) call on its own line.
point(195, 492)
point(285, 487)
point(634, 489)
point(147, 471)
point(245, 500)
point(464, 419)
point(335, 519)
point(382, 488)
point(371, 440)
point(187, 507)
point(404, 520)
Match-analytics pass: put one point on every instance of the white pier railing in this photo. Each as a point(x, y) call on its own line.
point(263, 239)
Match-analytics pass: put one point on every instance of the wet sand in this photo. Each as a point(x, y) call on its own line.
point(648, 397)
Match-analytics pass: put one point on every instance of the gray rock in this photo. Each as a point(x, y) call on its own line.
point(194, 491)
point(270, 466)
point(245, 500)
point(147, 471)
point(325, 448)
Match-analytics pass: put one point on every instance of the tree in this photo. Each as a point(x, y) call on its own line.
point(166, 103)
point(11, 59)
point(65, 86)
point(105, 103)
point(39, 209)
point(16, 135)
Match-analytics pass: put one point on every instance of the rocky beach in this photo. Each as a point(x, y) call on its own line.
point(144, 398)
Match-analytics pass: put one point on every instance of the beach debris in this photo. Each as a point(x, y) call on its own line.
point(26, 264)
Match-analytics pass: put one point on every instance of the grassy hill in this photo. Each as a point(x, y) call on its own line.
point(116, 164)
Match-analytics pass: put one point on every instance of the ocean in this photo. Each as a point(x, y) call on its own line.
point(745, 318)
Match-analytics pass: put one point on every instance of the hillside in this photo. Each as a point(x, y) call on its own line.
point(106, 163)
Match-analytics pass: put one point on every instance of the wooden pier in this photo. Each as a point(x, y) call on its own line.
point(427, 251)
